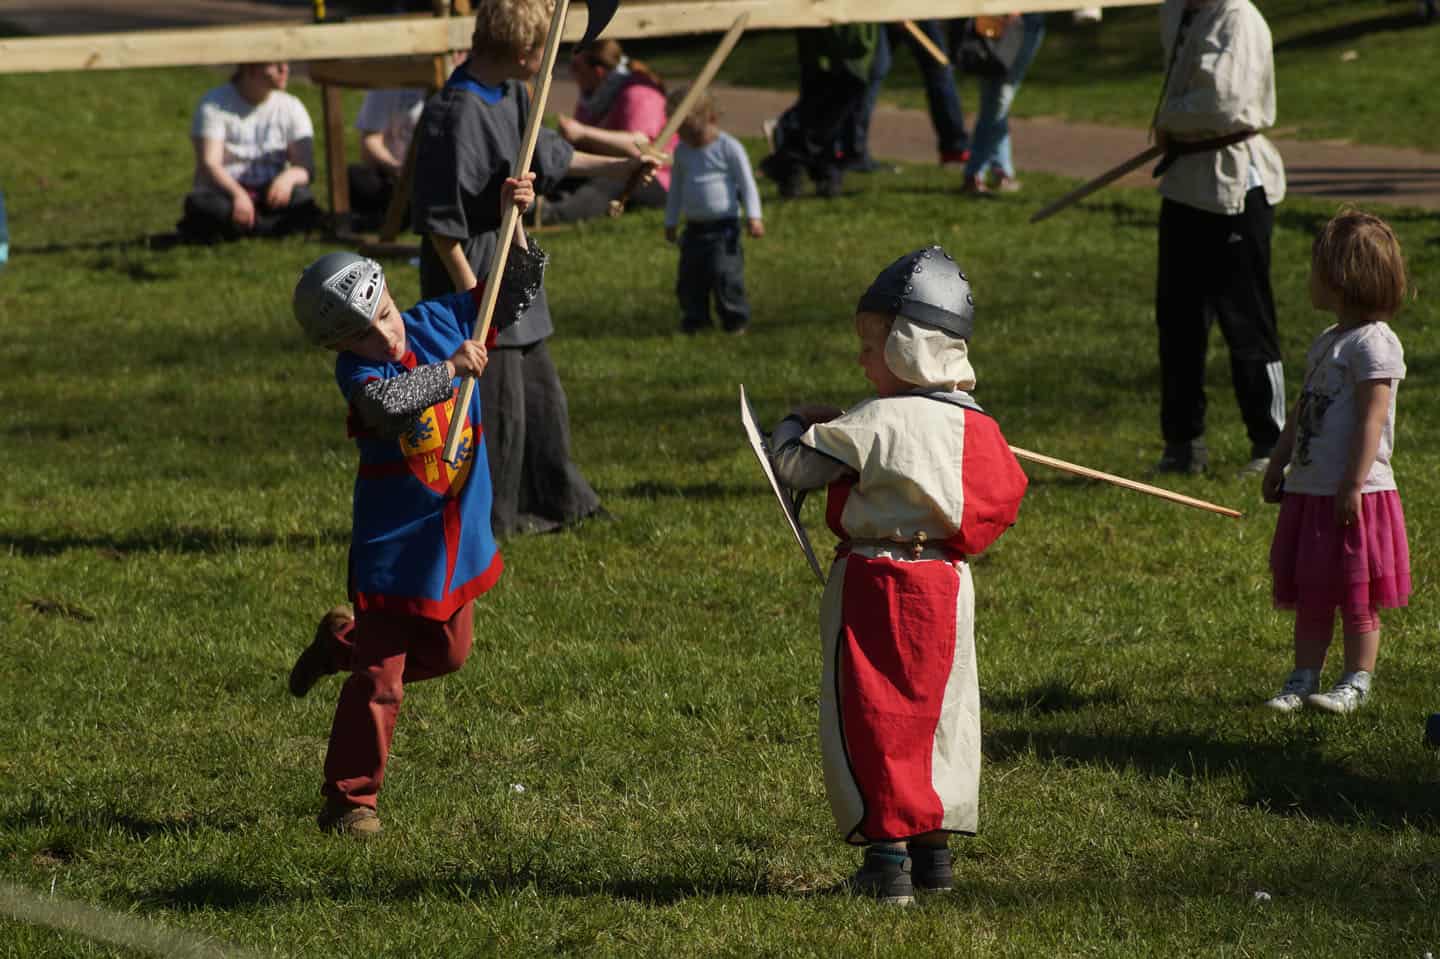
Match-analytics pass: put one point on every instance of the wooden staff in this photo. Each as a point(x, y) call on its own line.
point(697, 89)
point(1100, 182)
point(928, 45)
point(506, 236)
point(1122, 482)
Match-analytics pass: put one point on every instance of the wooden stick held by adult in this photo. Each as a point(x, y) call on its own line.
point(600, 13)
point(1111, 478)
point(692, 96)
point(926, 44)
point(1099, 183)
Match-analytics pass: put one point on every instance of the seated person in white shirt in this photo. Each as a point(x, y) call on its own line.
point(254, 159)
point(386, 123)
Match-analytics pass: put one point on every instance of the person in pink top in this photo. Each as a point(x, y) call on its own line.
point(620, 113)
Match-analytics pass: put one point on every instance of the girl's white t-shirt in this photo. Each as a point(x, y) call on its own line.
point(1338, 361)
point(256, 136)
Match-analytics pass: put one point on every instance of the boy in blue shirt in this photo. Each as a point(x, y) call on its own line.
point(709, 183)
point(421, 546)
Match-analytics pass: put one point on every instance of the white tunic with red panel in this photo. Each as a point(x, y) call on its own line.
point(899, 703)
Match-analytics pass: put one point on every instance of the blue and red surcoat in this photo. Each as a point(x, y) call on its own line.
point(421, 543)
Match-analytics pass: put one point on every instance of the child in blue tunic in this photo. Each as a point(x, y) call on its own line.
point(421, 546)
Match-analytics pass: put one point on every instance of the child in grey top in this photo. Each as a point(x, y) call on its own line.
point(710, 180)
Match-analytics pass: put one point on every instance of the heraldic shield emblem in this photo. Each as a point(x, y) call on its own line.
point(424, 443)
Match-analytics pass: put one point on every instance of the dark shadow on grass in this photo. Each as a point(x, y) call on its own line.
point(1288, 780)
point(658, 489)
point(651, 891)
point(1048, 698)
point(178, 540)
point(40, 815)
point(210, 891)
point(1347, 32)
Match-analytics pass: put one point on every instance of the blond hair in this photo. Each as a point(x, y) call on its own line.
point(506, 28)
point(704, 105)
point(1358, 256)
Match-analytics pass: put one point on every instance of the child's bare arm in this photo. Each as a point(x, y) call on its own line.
point(1272, 484)
point(1372, 408)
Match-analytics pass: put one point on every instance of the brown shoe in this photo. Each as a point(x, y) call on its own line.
point(357, 822)
point(974, 186)
point(318, 659)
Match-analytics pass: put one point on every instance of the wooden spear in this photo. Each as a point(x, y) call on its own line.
point(682, 110)
point(600, 13)
point(1099, 183)
point(928, 45)
point(1122, 482)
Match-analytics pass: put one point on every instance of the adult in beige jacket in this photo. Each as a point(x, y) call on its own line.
point(1222, 180)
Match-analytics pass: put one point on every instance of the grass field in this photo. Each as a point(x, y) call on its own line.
point(1382, 92)
point(174, 516)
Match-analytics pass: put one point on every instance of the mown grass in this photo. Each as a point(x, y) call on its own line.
point(174, 513)
point(1381, 92)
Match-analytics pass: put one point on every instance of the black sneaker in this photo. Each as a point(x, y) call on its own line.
point(1191, 459)
point(884, 875)
point(932, 868)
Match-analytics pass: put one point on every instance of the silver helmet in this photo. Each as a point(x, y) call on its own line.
point(337, 296)
point(927, 286)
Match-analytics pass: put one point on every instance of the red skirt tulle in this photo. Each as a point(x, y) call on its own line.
point(1359, 568)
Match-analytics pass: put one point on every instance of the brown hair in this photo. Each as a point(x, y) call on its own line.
point(1358, 256)
point(704, 104)
point(505, 28)
point(607, 52)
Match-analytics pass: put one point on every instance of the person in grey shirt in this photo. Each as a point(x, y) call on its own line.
point(469, 136)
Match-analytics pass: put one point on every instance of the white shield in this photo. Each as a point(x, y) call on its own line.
point(787, 504)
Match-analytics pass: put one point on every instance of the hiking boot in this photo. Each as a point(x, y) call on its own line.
point(1188, 459)
point(1345, 696)
point(357, 822)
point(1300, 684)
point(319, 658)
point(884, 875)
point(932, 868)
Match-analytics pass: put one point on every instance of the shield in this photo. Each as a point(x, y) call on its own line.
point(787, 503)
point(599, 14)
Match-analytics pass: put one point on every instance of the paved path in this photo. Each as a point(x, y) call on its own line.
point(1350, 172)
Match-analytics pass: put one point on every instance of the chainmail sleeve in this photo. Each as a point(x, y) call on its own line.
point(521, 283)
point(389, 406)
point(798, 466)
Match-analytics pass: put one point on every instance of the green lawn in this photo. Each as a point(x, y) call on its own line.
point(1385, 94)
point(174, 516)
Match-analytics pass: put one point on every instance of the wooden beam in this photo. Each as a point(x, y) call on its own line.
point(376, 74)
point(406, 36)
point(336, 169)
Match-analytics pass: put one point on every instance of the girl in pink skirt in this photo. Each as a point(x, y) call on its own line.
point(1340, 540)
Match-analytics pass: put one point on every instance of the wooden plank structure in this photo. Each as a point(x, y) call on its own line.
point(409, 36)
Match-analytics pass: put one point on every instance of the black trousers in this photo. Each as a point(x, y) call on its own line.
point(712, 264)
point(589, 199)
point(527, 439)
point(1214, 267)
point(371, 189)
point(207, 216)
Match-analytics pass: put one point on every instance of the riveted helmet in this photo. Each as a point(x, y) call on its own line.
point(927, 286)
point(337, 296)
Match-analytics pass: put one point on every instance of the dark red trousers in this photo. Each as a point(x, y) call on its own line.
point(384, 652)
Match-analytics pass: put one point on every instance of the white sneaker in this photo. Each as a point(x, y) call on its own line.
point(1345, 696)
point(1300, 684)
point(767, 129)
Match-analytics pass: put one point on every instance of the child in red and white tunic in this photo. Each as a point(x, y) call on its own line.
point(1340, 541)
point(919, 480)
